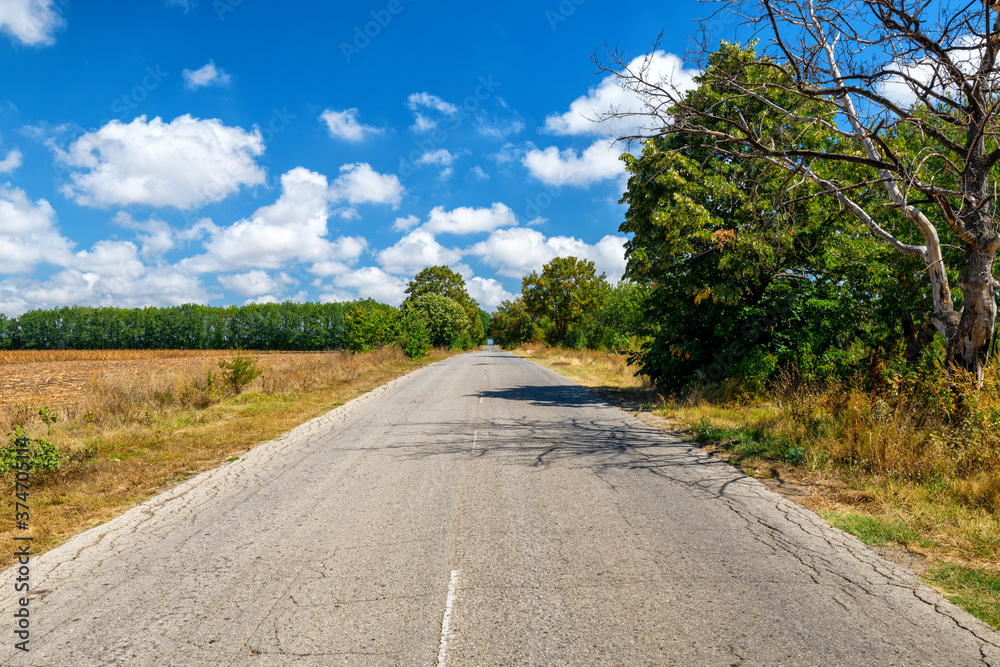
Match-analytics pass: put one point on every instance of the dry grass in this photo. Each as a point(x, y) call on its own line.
point(606, 373)
point(131, 433)
point(41, 356)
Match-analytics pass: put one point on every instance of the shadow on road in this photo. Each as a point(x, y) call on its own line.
point(575, 428)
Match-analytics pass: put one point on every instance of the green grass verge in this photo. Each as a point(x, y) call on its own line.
point(874, 530)
point(974, 590)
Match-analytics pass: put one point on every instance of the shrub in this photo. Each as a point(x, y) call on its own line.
point(414, 337)
point(42, 454)
point(241, 370)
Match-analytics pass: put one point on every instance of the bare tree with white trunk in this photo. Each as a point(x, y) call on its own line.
point(876, 69)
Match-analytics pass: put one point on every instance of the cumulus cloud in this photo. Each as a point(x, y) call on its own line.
point(477, 173)
point(342, 254)
point(256, 283)
point(109, 274)
point(415, 251)
point(498, 128)
point(368, 283)
point(207, 75)
point(344, 125)
point(609, 96)
point(405, 224)
point(489, 292)
point(294, 228)
point(466, 220)
point(30, 22)
point(567, 167)
point(28, 234)
point(441, 157)
point(11, 162)
point(186, 163)
point(358, 183)
point(425, 100)
point(420, 103)
point(517, 251)
point(156, 235)
point(422, 123)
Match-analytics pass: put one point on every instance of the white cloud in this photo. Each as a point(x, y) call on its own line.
point(440, 157)
point(422, 123)
point(207, 75)
point(369, 283)
point(415, 251)
point(294, 228)
point(256, 283)
point(427, 101)
point(609, 96)
point(157, 237)
point(344, 125)
point(342, 254)
point(185, 163)
point(497, 128)
point(477, 173)
point(186, 4)
point(31, 22)
point(28, 234)
point(109, 274)
point(419, 102)
point(358, 183)
point(465, 220)
point(405, 224)
point(518, 251)
point(488, 292)
point(11, 162)
point(554, 167)
point(509, 153)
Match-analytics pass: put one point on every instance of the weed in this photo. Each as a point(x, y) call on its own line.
point(239, 371)
point(873, 530)
point(974, 589)
point(42, 454)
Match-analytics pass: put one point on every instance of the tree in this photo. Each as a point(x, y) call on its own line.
point(565, 291)
point(734, 274)
point(512, 324)
point(837, 64)
point(618, 320)
point(443, 281)
point(443, 317)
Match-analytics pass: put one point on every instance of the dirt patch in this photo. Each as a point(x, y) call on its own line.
point(916, 563)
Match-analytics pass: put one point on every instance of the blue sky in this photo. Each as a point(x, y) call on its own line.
point(227, 151)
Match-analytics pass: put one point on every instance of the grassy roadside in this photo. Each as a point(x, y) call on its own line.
point(944, 526)
point(130, 436)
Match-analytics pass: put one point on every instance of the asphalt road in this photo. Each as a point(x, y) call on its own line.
point(479, 511)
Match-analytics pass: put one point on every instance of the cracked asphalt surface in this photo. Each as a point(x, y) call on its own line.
point(556, 528)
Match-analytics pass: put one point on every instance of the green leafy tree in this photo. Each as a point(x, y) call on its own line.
point(444, 319)
point(566, 290)
point(942, 194)
point(443, 281)
point(738, 285)
point(617, 323)
point(370, 325)
point(512, 324)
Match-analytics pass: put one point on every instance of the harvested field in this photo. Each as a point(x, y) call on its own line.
point(61, 377)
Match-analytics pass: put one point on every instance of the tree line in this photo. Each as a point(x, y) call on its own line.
point(438, 312)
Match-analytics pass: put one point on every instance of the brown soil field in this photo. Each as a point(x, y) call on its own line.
point(52, 378)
